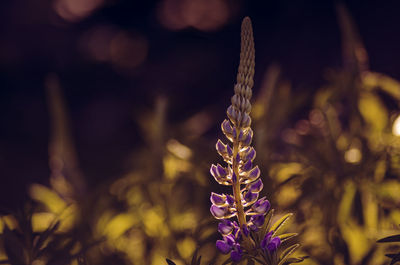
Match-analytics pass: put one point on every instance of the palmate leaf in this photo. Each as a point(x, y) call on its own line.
point(395, 238)
point(278, 224)
point(286, 253)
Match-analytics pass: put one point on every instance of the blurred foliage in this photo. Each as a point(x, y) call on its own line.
point(336, 167)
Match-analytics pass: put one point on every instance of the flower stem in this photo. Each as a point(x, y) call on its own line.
point(236, 186)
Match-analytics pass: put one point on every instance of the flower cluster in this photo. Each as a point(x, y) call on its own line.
point(240, 172)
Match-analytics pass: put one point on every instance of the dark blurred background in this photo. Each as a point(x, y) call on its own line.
point(112, 58)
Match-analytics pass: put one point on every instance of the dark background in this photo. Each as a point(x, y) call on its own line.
point(191, 64)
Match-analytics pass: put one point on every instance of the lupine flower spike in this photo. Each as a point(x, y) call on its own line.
point(245, 218)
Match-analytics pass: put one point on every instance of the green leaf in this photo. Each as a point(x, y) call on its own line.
point(395, 238)
point(294, 260)
point(267, 222)
point(170, 262)
point(287, 236)
point(278, 224)
point(286, 253)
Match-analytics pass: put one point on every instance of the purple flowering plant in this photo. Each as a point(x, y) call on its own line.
point(245, 219)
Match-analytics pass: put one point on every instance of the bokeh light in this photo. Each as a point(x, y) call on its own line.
point(205, 15)
point(75, 10)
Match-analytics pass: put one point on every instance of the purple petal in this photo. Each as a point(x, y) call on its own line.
point(229, 150)
point(218, 212)
point(231, 112)
point(274, 244)
point(230, 239)
point(237, 158)
point(250, 196)
point(266, 240)
point(217, 199)
point(225, 227)
point(221, 171)
point(230, 200)
point(254, 173)
point(256, 186)
point(234, 178)
point(248, 138)
point(213, 170)
point(247, 166)
point(258, 220)
point(261, 206)
point(227, 127)
point(251, 154)
point(236, 254)
point(221, 148)
point(223, 246)
point(246, 120)
point(240, 135)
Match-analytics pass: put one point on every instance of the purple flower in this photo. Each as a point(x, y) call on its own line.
point(251, 154)
point(230, 200)
point(250, 197)
point(270, 244)
point(225, 227)
point(247, 166)
point(223, 246)
point(256, 186)
point(257, 220)
point(230, 244)
point(218, 212)
point(217, 199)
point(227, 127)
point(236, 254)
point(261, 206)
point(254, 173)
point(221, 171)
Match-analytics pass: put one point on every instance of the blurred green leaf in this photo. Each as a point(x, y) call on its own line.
point(395, 238)
point(278, 224)
point(286, 253)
